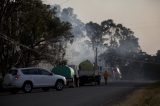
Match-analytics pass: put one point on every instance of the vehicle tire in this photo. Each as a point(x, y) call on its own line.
point(45, 89)
point(27, 87)
point(14, 91)
point(59, 85)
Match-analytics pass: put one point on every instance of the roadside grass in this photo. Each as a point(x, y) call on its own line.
point(149, 96)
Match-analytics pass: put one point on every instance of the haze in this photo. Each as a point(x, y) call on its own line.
point(141, 16)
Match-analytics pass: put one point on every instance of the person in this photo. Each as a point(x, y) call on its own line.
point(76, 78)
point(105, 75)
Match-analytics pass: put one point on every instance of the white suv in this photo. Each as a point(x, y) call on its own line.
point(28, 78)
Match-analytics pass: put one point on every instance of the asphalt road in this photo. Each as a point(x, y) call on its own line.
point(103, 95)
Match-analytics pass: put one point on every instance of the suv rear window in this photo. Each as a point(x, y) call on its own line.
point(12, 72)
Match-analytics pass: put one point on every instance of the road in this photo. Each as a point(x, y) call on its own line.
point(103, 95)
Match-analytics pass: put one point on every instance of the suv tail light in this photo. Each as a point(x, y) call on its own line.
point(17, 76)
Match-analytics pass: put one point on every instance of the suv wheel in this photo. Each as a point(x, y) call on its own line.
point(27, 87)
point(59, 85)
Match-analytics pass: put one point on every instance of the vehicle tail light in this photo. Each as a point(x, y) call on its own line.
point(17, 76)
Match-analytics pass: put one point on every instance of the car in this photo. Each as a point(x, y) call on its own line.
point(28, 78)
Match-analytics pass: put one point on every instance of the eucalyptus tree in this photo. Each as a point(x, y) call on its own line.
point(33, 33)
point(94, 32)
point(8, 27)
point(120, 42)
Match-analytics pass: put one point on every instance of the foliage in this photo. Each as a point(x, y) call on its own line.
point(119, 41)
point(45, 31)
point(94, 32)
point(34, 25)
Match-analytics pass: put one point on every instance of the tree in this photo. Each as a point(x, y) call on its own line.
point(94, 32)
point(119, 41)
point(8, 24)
point(34, 25)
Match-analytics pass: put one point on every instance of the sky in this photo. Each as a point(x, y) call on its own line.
point(141, 16)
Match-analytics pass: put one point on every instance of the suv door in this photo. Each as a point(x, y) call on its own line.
point(32, 75)
point(46, 76)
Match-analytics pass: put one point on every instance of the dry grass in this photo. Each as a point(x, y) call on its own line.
point(149, 96)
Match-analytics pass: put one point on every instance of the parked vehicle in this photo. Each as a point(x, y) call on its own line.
point(65, 71)
point(87, 74)
point(28, 78)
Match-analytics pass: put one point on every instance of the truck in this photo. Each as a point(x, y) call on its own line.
point(88, 74)
point(65, 71)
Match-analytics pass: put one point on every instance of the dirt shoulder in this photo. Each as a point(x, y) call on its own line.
point(149, 96)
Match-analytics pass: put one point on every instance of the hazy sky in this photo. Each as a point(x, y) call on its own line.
point(141, 16)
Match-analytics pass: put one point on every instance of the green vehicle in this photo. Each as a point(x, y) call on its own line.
point(65, 71)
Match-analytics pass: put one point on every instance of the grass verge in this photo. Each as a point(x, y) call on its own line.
point(149, 96)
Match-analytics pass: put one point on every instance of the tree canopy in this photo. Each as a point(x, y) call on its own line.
point(30, 32)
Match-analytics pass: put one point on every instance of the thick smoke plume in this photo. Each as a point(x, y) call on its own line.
point(81, 48)
point(89, 36)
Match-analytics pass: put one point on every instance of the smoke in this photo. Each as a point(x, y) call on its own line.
point(119, 38)
point(79, 51)
point(67, 15)
point(81, 48)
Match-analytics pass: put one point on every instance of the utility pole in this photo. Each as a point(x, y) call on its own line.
point(96, 58)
